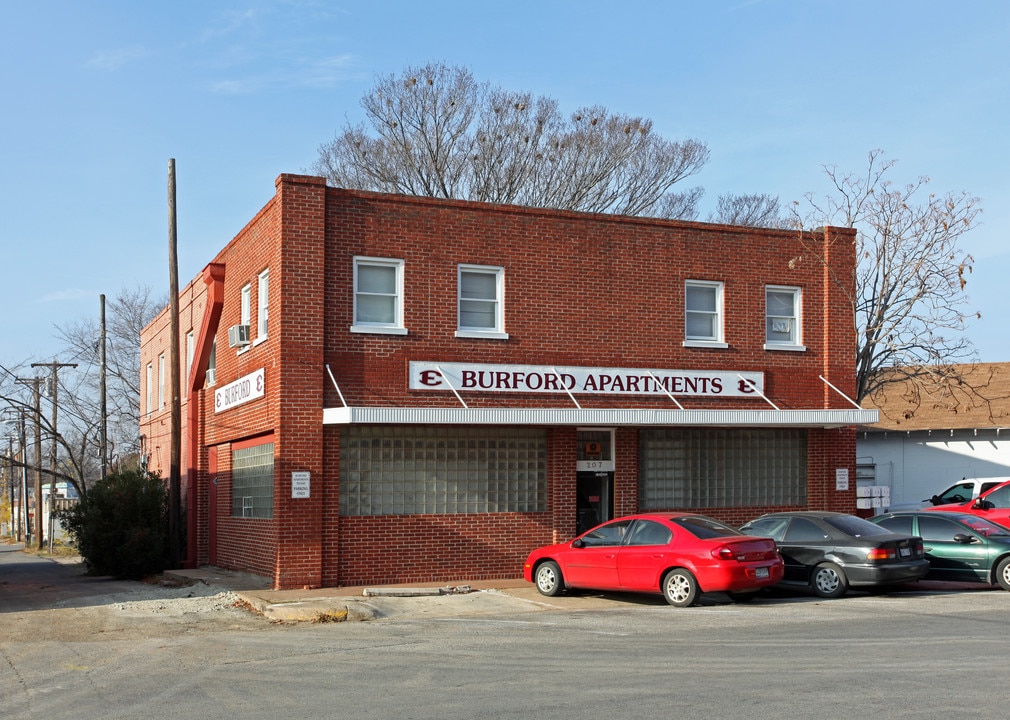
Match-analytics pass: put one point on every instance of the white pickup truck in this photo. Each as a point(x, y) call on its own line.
point(967, 489)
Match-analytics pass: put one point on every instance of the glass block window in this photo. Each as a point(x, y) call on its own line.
point(692, 468)
point(433, 470)
point(252, 490)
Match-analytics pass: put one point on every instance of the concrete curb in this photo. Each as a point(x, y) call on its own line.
point(341, 609)
point(319, 610)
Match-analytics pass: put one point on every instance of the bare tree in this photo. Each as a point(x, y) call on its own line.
point(758, 210)
point(79, 411)
point(19, 405)
point(126, 316)
point(438, 132)
point(910, 280)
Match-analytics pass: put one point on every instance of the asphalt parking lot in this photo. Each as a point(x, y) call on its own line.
point(30, 583)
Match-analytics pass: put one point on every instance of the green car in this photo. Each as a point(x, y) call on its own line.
point(960, 547)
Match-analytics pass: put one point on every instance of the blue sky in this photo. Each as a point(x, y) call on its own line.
point(97, 96)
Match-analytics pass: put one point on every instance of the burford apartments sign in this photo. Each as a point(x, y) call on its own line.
point(250, 387)
point(473, 377)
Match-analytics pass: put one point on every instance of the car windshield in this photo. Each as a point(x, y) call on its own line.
point(703, 527)
point(855, 526)
point(983, 526)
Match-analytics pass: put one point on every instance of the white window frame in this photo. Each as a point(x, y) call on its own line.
point(211, 375)
point(161, 381)
point(262, 306)
point(714, 341)
point(396, 327)
point(795, 344)
point(245, 312)
point(150, 387)
point(498, 331)
point(190, 351)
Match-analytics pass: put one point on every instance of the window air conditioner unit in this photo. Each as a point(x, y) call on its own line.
point(238, 336)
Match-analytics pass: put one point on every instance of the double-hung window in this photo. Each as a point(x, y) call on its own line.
point(703, 314)
point(190, 351)
point(161, 381)
point(782, 318)
point(378, 296)
point(246, 310)
point(480, 302)
point(212, 364)
point(262, 305)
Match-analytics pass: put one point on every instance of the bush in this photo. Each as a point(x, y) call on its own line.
point(120, 526)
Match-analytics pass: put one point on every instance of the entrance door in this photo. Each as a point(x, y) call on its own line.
point(594, 499)
point(594, 478)
point(212, 505)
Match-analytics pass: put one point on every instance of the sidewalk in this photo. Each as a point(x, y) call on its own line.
point(363, 602)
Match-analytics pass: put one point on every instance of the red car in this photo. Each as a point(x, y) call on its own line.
point(677, 554)
point(993, 505)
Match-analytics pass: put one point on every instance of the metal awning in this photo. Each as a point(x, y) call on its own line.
point(603, 417)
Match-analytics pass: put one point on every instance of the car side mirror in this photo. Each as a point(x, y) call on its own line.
point(935, 500)
point(982, 504)
point(963, 539)
point(578, 543)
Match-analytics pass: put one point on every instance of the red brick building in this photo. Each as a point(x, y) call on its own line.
point(386, 389)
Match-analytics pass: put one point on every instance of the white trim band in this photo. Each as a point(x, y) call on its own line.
point(596, 417)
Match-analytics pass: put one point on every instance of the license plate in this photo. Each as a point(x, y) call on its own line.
point(905, 552)
point(761, 572)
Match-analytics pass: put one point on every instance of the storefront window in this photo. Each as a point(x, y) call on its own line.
point(432, 470)
point(695, 468)
point(252, 494)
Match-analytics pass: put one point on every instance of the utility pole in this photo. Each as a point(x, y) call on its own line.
point(103, 440)
point(54, 397)
point(175, 483)
point(23, 505)
point(35, 529)
point(9, 485)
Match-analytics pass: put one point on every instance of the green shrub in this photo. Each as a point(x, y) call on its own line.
point(120, 526)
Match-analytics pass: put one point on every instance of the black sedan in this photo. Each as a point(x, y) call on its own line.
point(958, 546)
point(830, 552)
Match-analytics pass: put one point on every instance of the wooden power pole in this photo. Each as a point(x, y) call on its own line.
point(36, 526)
point(103, 438)
point(175, 483)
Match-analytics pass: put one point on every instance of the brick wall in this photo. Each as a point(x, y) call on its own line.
point(587, 290)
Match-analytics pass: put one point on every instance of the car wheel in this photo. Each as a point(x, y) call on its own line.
point(680, 588)
point(828, 581)
point(741, 597)
point(548, 578)
point(1003, 573)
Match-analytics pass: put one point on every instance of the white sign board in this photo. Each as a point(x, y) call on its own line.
point(247, 388)
point(841, 479)
point(475, 377)
point(300, 482)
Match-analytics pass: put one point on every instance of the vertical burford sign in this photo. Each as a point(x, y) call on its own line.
point(247, 388)
point(467, 377)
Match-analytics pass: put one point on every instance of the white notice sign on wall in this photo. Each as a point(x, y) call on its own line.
point(300, 484)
